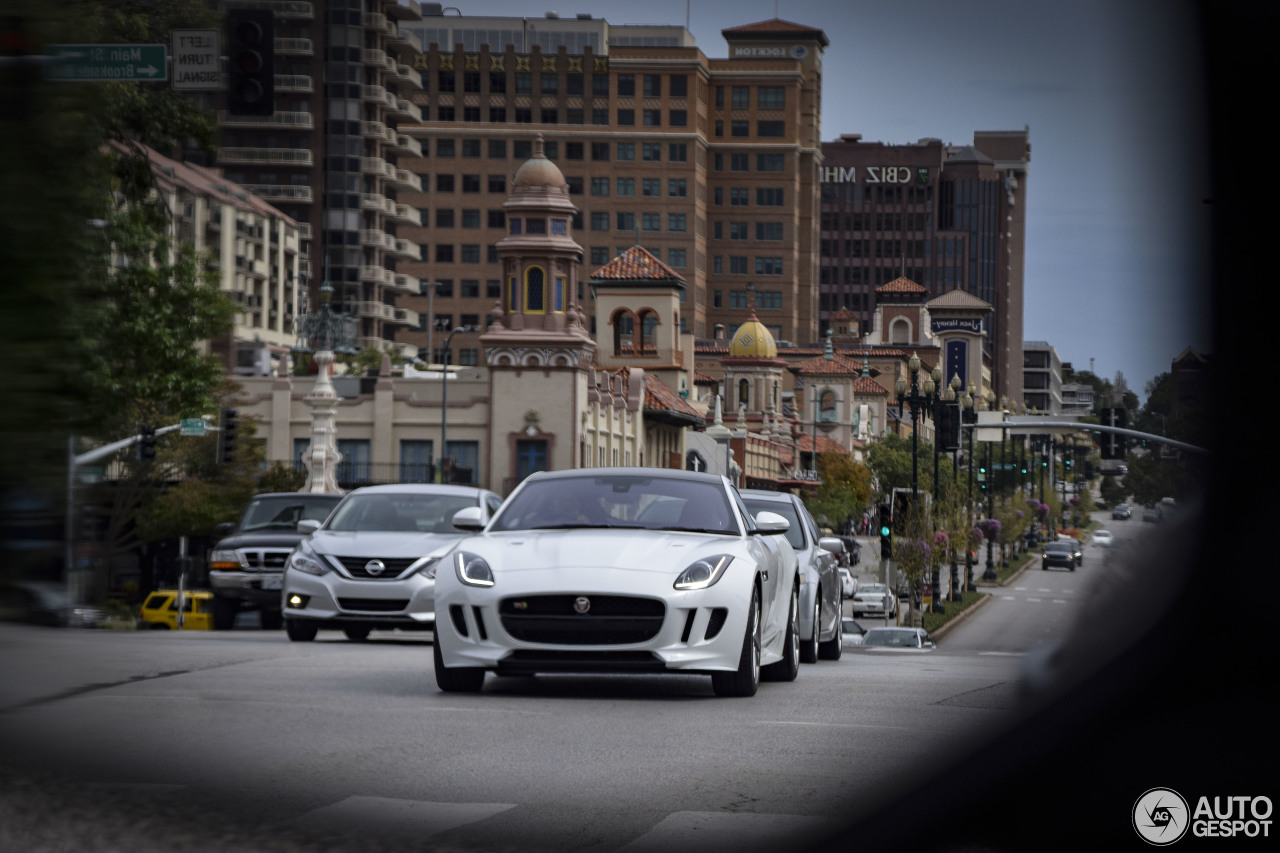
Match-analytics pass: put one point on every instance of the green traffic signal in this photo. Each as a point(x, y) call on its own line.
point(884, 531)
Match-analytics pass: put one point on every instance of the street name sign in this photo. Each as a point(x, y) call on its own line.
point(193, 426)
point(196, 63)
point(107, 62)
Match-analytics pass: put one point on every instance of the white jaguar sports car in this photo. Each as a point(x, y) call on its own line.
point(619, 570)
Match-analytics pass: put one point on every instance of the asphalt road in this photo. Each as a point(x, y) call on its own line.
point(242, 740)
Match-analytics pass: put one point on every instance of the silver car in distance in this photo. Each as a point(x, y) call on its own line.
point(620, 570)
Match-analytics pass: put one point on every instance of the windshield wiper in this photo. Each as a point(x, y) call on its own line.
point(680, 529)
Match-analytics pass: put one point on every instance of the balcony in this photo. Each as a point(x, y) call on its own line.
point(405, 10)
point(373, 56)
point(406, 283)
point(402, 74)
point(280, 192)
point(374, 201)
point(376, 275)
point(404, 109)
point(377, 311)
point(377, 166)
point(406, 317)
point(378, 239)
point(404, 176)
point(282, 119)
point(370, 342)
point(290, 9)
point(293, 83)
point(283, 156)
point(403, 41)
point(406, 214)
point(377, 94)
point(294, 47)
point(374, 130)
point(405, 249)
point(405, 144)
point(304, 231)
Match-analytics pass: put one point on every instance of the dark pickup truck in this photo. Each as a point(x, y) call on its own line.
point(246, 566)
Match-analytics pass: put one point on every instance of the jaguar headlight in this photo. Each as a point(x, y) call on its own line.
point(472, 569)
point(704, 572)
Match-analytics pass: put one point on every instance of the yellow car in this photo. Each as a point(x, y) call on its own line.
point(160, 610)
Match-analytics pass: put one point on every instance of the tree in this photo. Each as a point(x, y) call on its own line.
point(845, 491)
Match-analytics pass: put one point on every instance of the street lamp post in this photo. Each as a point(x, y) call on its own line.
point(970, 416)
point(441, 476)
point(326, 332)
point(920, 397)
point(431, 318)
point(989, 574)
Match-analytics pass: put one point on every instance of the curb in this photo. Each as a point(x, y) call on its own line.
point(942, 632)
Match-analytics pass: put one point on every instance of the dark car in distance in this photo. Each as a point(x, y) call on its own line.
point(1121, 512)
point(1060, 553)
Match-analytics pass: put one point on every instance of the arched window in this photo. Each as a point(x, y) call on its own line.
point(624, 331)
point(827, 406)
point(513, 294)
point(535, 291)
point(744, 393)
point(900, 331)
point(648, 323)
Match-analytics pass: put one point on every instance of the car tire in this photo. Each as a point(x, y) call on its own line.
point(789, 667)
point(301, 630)
point(809, 649)
point(224, 612)
point(357, 634)
point(270, 620)
point(745, 680)
point(833, 648)
point(458, 679)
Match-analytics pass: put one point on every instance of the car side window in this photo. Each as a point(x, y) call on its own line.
point(493, 502)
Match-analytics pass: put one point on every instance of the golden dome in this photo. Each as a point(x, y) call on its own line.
point(753, 340)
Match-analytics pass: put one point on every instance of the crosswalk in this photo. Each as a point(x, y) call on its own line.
point(1037, 595)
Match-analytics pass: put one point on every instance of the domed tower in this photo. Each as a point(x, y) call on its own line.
point(753, 374)
point(540, 356)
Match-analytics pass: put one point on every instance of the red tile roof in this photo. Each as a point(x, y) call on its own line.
point(804, 444)
point(775, 27)
point(659, 398)
point(637, 264)
point(901, 284)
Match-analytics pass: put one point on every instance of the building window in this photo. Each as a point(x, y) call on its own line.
point(739, 162)
point(417, 461)
point(770, 162)
point(768, 266)
point(600, 219)
point(444, 183)
point(768, 230)
point(531, 457)
point(354, 467)
point(741, 98)
point(599, 186)
point(470, 218)
point(679, 84)
point(626, 186)
point(524, 83)
point(497, 149)
point(676, 257)
point(737, 265)
point(497, 219)
point(524, 115)
point(498, 115)
point(653, 85)
point(771, 98)
point(770, 299)
point(626, 221)
point(471, 148)
point(652, 152)
point(678, 152)
point(600, 85)
point(677, 187)
point(626, 118)
point(626, 151)
point(469, 288)
point(739, 197)
point(652, 118)
point(651, 187)
point(550, 84)
point(600, 151)
point(600, 116)
point(497, 82)
point(677, 222)
point(766, 197)
point(471, 183)
point(444, 218)
point(600, 254)
point(651, 222)
point(471, 253)
point(678, 118)
point(771, 128)
point(574, 115)
point(737, 299)
point(626, 84)
point(462, 463)
point(498, 184)
point(740, 128)
point(444, 254)
point(535, 291)
point(550, 116)
point(738, 231)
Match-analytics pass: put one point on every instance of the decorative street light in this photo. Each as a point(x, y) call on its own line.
point(989, 574)
point(327, 333)
point(442, 476)
point(920, 398)
point(970, 416)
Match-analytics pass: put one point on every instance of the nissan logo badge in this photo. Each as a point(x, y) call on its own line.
point(581, 604)
point(375, 567)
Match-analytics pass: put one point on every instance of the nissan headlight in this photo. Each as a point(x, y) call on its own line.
point(704, 572)
point(472, 569)
point(426, 566)
point(305, 560)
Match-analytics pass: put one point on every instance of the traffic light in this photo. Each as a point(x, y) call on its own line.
point(147, 444)
point(886, 531)
point(230, 422)
point(982, 477)
point(251, 52)
point(949, 426)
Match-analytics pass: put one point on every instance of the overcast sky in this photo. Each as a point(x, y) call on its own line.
point(1116, 265)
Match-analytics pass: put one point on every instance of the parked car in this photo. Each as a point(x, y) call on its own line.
point(1061, 553)
point(817, 560)
point(1103, 538)
point(848, 583)
point(372, 563)
point(1153, 514)
point(898, 639)
point(45, 603)
point(246, 566)
point(160, 610)
point(1121, 512)
point(874, 599)
point(853, 631)
point(620, 570)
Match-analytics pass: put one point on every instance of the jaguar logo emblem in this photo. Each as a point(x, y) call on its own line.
point(581, 604)
point(375, 567)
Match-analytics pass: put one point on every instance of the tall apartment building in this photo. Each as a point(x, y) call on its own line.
point(1042, 377)
point(710, 164)
point(944, 216)
point(327, 155)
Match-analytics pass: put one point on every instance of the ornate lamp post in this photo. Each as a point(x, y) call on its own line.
point(920, 398)
point(989, 574)
point(442, 476)
point(327, 333)
point(969, 415)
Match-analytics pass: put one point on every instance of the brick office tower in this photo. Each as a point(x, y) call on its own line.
point(710, 163)
point(943, 216)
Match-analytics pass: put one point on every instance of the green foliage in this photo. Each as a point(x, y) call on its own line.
point(845, 489)
point(370, 359)
point(1112, 491)
point(889, 460)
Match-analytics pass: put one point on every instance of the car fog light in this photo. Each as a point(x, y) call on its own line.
point(297, 601)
